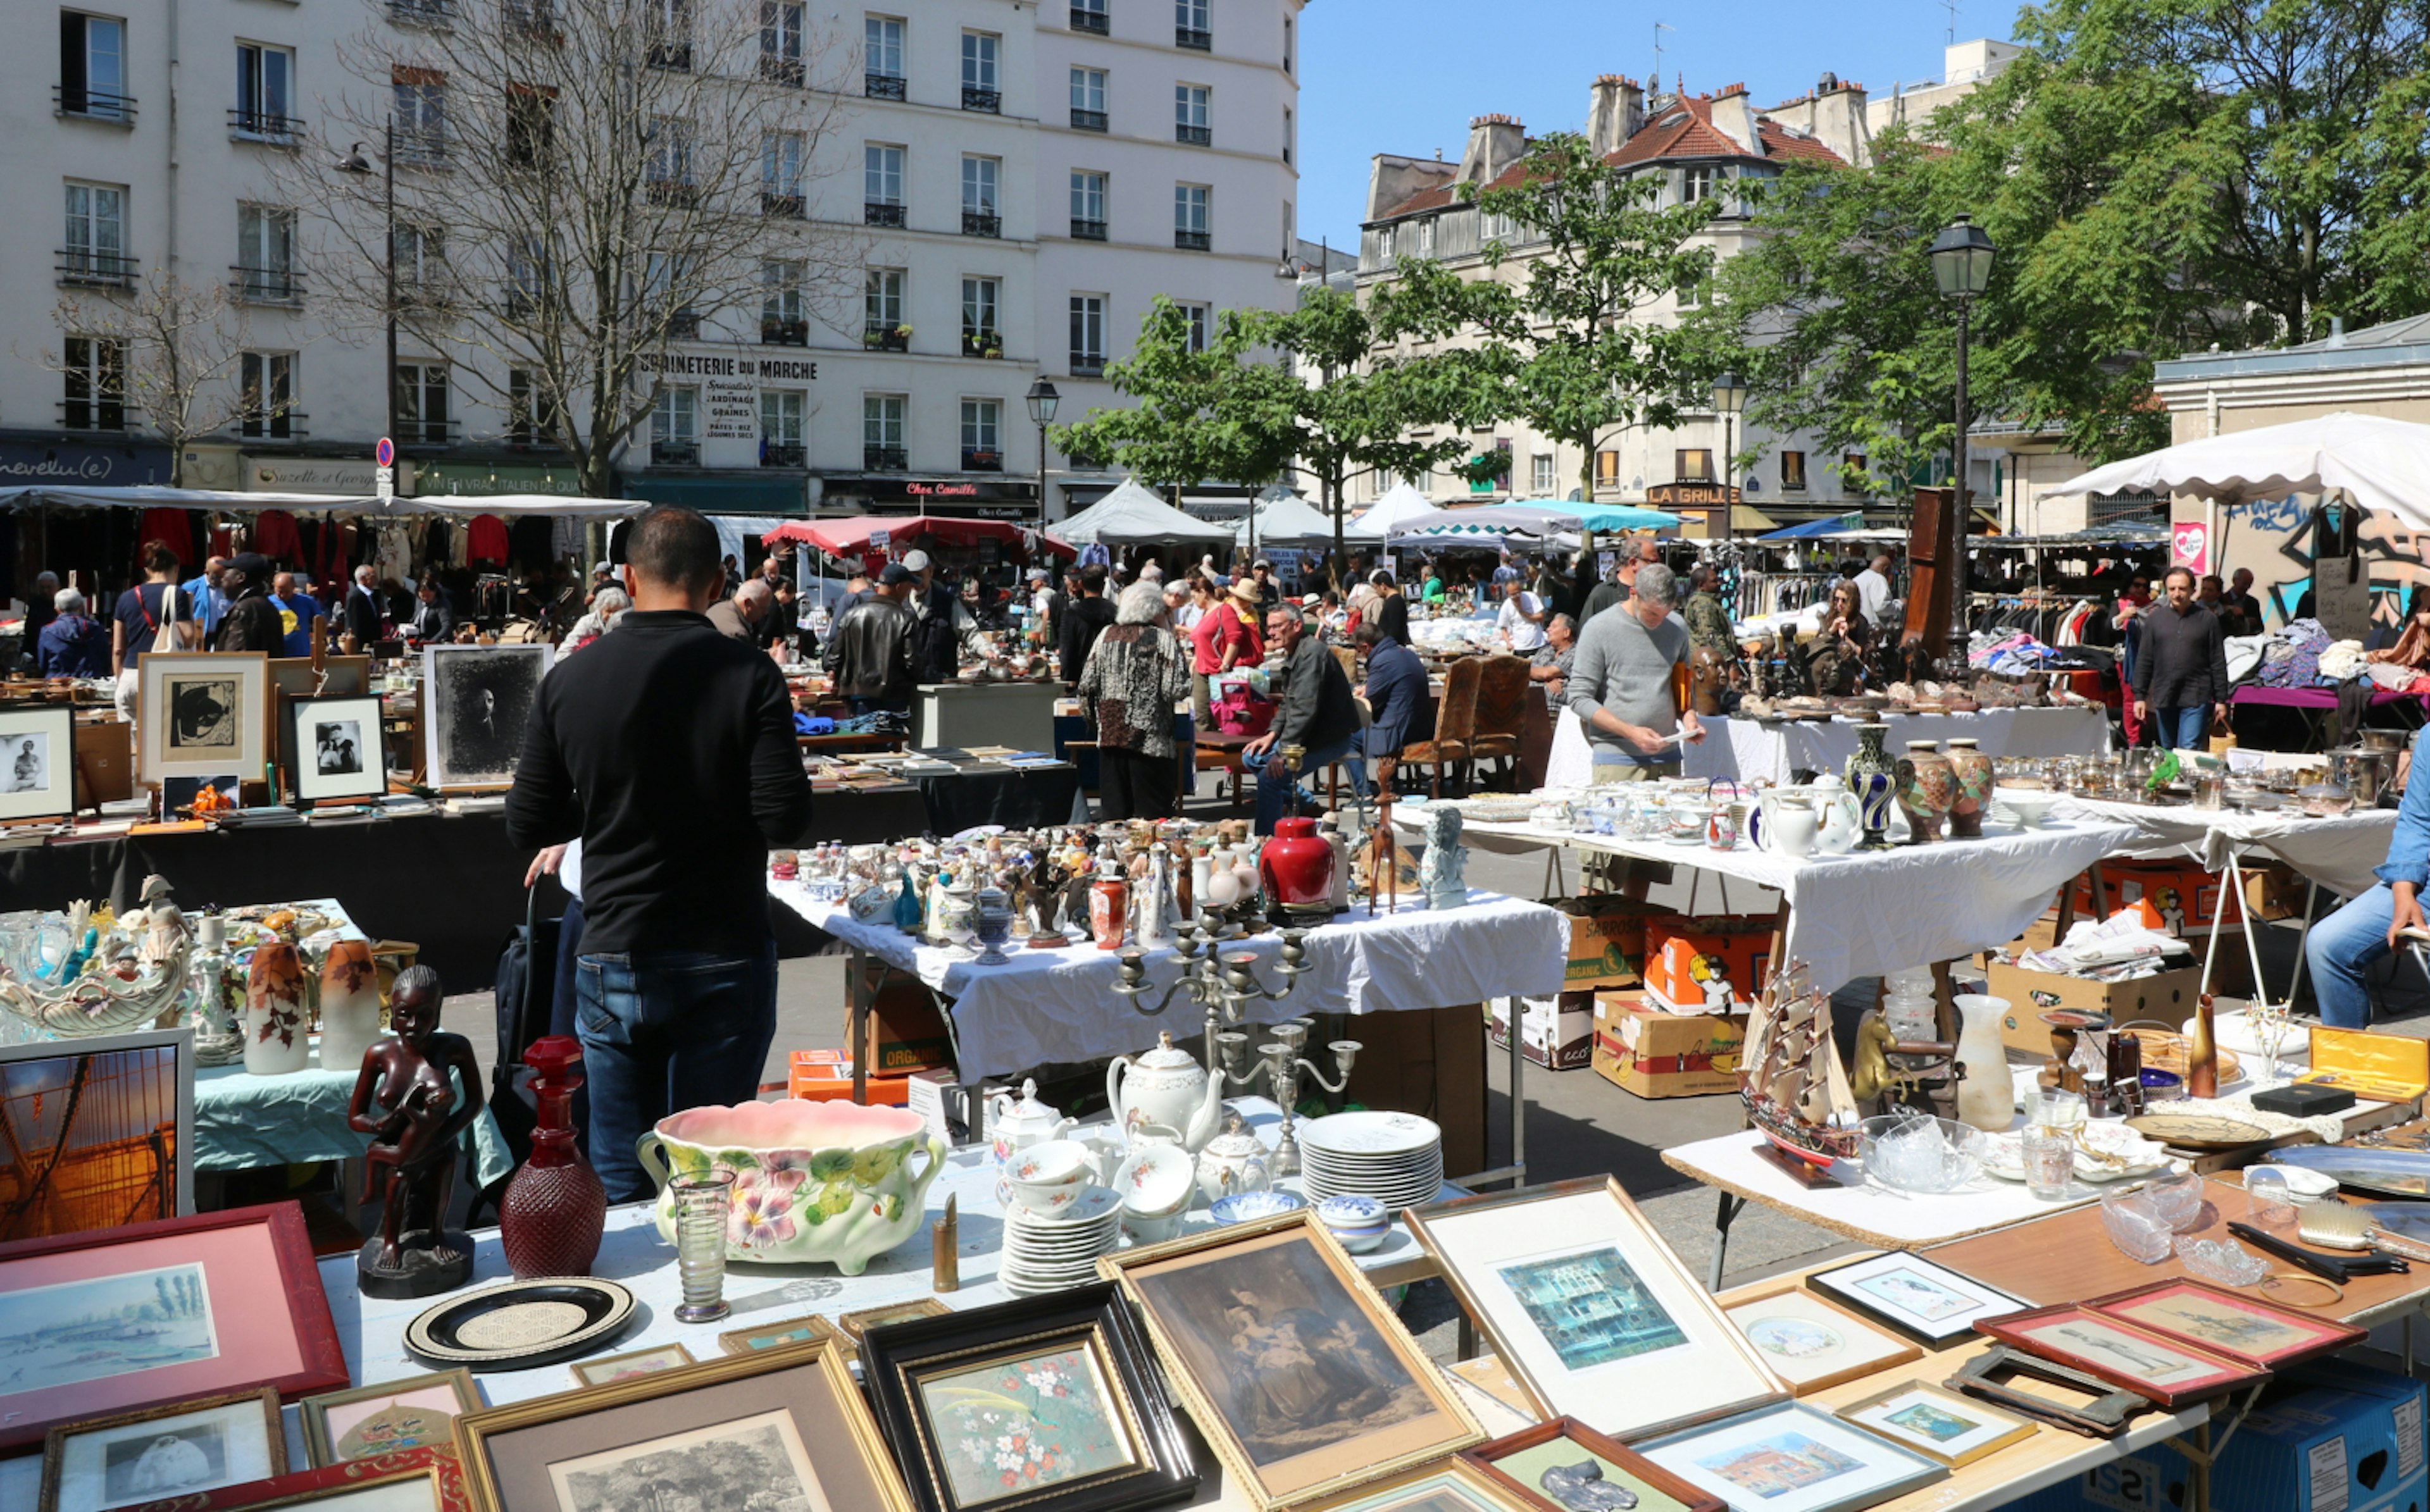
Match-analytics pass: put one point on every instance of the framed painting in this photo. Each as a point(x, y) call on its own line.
point(475, 703)
point(1564, 1466)
point(775, 1334)
point(1919, 1299)
point(334, 749)
point(37, 763)
point(1450, 1485)
point(1790, 1457)
point(413, 1480)
point(2241, 1329)
point(296, 677)
point(1302, 1380)
point(1044, 1402)
point(2163, 1370)
point(160, 1312)
point(1811, 1343)
point(852, 1327)
point(129, 1457)
point(630, 1366)
point(99, 1130)
point(367, 1421)
point(1937, 1424)
point(1648, 1351)
point(781, 1428)
point(204, 714)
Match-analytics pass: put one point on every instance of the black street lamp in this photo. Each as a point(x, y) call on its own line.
point(1729, 398)
point(355, 162)
point(1043, 401)
point(1961, 265)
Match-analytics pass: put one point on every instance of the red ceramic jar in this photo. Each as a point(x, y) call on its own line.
point(1296, 871)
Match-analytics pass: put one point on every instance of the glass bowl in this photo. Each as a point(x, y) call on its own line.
point(1949, 1163)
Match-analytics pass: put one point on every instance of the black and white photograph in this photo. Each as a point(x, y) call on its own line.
point(35, 762)
point(203, 715)
point(335, 748)
point(755, 1462)
point(162, 1453)
point(142, 1466)
point(476, 701)
point(338, 747)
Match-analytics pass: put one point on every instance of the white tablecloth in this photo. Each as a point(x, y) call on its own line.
point(2338, 853)
point(1866, 1214)
point(1752, 749)
point(1047, 1006)
point(1871, 911)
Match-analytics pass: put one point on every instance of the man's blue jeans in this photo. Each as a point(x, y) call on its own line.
point(2181, 729)
point(2339, 950)
point(663, 1031)
point(1276, 793)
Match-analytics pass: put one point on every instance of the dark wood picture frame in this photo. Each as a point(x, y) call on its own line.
point(54, 1444)
point(2340, 1336)
point(1819, 1283)
point(1694, 1498)
point(892, 1353)
point(2233, 1375)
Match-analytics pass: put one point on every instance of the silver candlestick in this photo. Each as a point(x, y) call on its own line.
point(1223, 986)
point(1280, 1059)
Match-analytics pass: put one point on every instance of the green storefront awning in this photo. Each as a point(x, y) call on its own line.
point(785, 495)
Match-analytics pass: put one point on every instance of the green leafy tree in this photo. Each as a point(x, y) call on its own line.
point(1196, 413)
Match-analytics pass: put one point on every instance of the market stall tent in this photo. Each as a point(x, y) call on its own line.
point(548, 506)
point(1285, 520)
point(2379, 463)
point(850, 537)
point(1490, 520)
point(1131, 514)
point(1613, 516)
point(1399, 503)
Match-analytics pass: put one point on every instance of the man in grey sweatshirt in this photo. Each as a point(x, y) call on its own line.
point(1619, 689)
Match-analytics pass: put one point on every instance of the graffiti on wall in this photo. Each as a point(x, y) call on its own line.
point(2274, 538)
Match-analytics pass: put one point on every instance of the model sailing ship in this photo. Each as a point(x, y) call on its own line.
point(1795, 1091)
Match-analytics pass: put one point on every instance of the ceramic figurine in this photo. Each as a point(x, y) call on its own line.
point(554, 1210)
point(405, 1099)
point(350, 1005)
point(1440, 873)
point(275, 1043)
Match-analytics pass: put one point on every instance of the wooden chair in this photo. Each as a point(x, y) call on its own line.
point(1501, 710)
point(1453, 745)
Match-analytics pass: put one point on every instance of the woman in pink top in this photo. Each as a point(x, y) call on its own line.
point(1225, 638)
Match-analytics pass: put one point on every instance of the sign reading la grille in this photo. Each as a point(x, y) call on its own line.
point(1690, 494)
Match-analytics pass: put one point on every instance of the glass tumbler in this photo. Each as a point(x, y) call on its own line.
point(2050, 1162)
point(702, 1204)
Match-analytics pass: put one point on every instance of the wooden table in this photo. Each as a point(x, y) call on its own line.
point(1221, 752)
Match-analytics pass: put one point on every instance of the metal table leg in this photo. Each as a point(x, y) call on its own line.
point(1723, 1217)
point(2302, 942)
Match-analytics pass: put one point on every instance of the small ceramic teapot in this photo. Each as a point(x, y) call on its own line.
point(1842, 825)
point(1789, 825)
point(1165, 1085)
point(1016, 1126)
point(1233, 1161)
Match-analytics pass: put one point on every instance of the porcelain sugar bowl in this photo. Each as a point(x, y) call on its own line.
point(812, 1181)
point(1165, 1087)
point(1234, 1161)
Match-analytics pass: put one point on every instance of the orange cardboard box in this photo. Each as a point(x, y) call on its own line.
point(1606, 940)
point(1699, 965)
point(825, 1077)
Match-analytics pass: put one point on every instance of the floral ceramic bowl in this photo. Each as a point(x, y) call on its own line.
point(1243, 1205)
point(1360, 1223)
point(812, 1181)
point(1047, 1178)
point(1155, 1180)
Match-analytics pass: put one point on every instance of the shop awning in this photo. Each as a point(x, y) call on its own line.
point(223, 501)
point(849, 537)
point(1746, 519)
point(1840, 525)
point(1611, 516)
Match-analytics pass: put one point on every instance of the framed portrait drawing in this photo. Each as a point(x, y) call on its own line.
point(1650, 1352)
point(475, 703)
point(1301, 1379)
point(413, 1480)
point(161, 1312)
point(2245, 1329)
point(160, 1452)
point(2158, 1367)
point(335, 747)
point(1453, 1484)
point(102, 1127)
point(37, 763)
point(204, 714)
point(1811, 1343)
point(1044, 1402)
point(1790, 1457)
point(776, 1334)
point(1937, 1424)
point(629, 1366)
point(418, 1412)
point(783, 1427)
point(1919, 1299)
point(1564, 1466)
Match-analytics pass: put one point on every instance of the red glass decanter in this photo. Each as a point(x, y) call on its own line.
point(555, 1208)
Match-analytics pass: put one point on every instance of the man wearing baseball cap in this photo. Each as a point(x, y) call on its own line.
point(252, 622)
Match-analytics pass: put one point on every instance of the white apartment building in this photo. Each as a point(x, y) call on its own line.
point(1021, 181)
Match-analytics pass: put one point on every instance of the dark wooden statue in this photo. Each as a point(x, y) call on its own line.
point(406, 1100)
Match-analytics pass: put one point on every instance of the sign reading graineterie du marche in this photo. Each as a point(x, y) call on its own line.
point(722, 365)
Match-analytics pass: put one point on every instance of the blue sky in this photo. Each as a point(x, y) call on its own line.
point(1405, 75)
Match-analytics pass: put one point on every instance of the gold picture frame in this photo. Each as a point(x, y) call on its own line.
point(1250, 1292)
point(1811, 1342)
point(188, 1452)
point(1878, 1414)
point(324, 1440)
point(799, 1398)
point(1431, 1484)
point(853, 1327)
point(655, 1360)
point(782, 1334)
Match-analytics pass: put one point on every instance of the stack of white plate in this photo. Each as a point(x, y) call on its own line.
point(1395, 1158)
point(1058, 1253)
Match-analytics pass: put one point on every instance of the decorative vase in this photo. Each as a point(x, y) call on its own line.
point(1873, 781)
point(350, 1005)
point(554, 1210)
point(275, 1043)
point(1974, 775)
point(812, 1181)
point(907, 906)
point(1987, 1095)
point(1296, 871)
point(2202, 1052)
point(1927, 786)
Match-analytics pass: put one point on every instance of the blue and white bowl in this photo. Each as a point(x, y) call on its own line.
point(1357, 1224)
point(1242, 1206)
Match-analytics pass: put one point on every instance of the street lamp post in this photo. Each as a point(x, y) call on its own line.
point(1961, 265)
point(1729, 398)
point(1043, 401)
point(355, 162)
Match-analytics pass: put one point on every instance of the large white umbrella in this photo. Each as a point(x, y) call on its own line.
point(2381, 465)
point(1399, 502)
point(1491, 520)
point(1131, 514)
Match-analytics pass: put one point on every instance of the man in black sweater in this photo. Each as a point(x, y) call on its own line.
point(2181, 669)
point(1088, 615)
point(669, 750)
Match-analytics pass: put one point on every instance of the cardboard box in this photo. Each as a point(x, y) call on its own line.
point(825, 1077)
point(2166, 998)
point(1706, 964)
point(105, 762)
point(1557, 1033)
point(1606, 940)
point(905, 1031)
point(1641, 1049)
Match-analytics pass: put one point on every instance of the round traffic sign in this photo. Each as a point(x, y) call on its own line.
point(385, 453)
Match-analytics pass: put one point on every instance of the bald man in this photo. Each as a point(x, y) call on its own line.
point(298, 614)
point(738, 617)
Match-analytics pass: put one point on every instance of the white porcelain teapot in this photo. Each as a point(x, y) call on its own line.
point(1014, 1126)
point(1167, 1086)
point(1233, 1161)
point(1789, 824)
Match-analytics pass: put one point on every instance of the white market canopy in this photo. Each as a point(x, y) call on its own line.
point(1285, 520)
point(1131, 513)
point(2380, 464)
point(1487, 521)
point(1400, 502)
point(223, 501)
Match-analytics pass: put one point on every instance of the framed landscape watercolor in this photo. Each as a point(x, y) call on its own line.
point(160, 1312)
point(852, 1327)
point(1937, 1424)
point(1303, 1381)
point(781, 1428)
point(1811, 1344)
point(2164, 1370)
point(627, 1367)
point(389, 1417)
point(161, 1453)
point(1044, 1402)
point(1790, 1457)
point(1590, 1310)
point(775, 1335)
point(1918, 1298)
point(1564, 1466)
point(2241, 1329)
